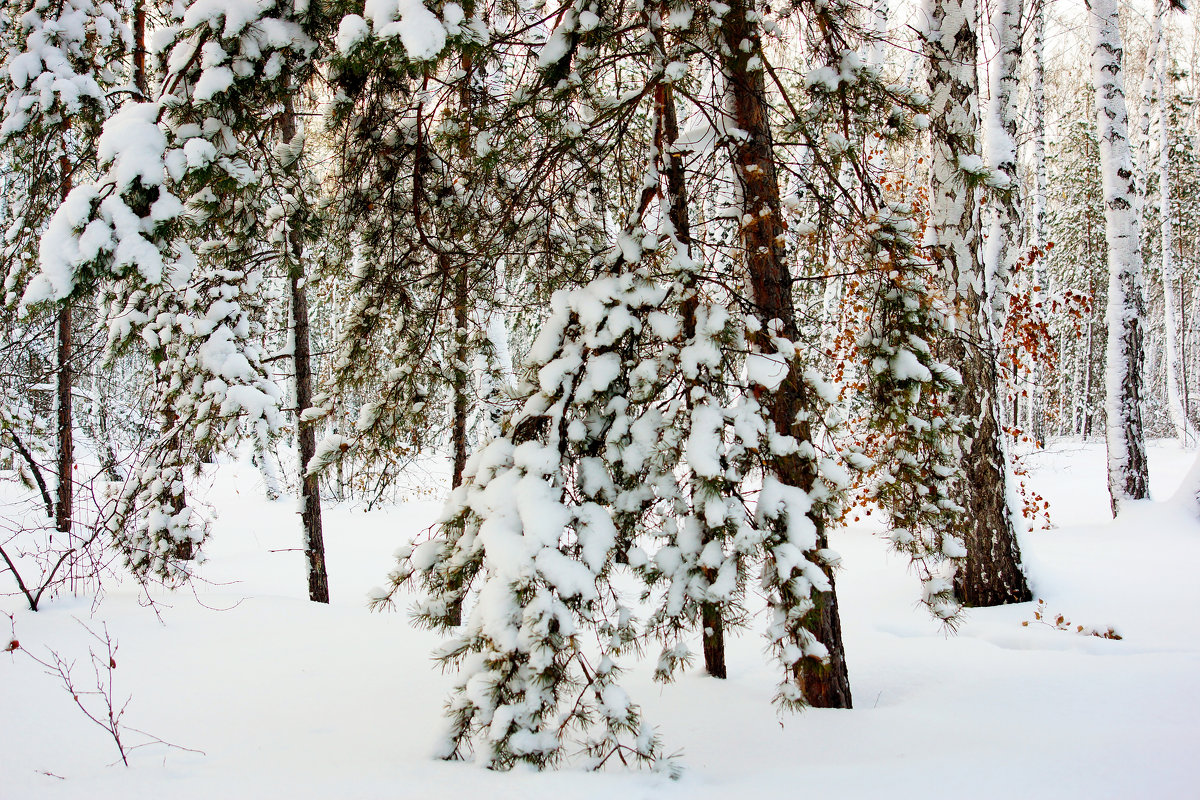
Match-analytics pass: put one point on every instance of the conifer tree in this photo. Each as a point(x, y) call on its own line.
point(163, 234)
point(1078, 267)
point(660, 390)
point(61, 59)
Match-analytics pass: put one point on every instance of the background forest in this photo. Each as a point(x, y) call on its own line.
point(636, 327)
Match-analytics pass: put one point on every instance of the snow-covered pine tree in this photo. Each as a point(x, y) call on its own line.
point(1127, 468)
point(60, 61)
point(914, 431)
point(533, 530)
point(661, 393)
point(417, 239)
point(168, 236)
point(991, 572)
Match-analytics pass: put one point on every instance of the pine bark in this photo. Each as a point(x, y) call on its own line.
point(1127, 468)
point(306, 439)
point(711, 622)
point(140, 80)
point(65, 425)
point(824, 685)
point(991, 573)
point(65, 493)
point(310, 492)
point(458, 434)
point(462, 308)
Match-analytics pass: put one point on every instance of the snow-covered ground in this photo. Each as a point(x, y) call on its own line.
point(288, 699)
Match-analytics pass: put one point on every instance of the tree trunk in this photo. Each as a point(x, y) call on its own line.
point(1184, 430)
point(991, 572)
point(1127, 470)
point(462, 309)
point(1004, 243)
point(1038, 406)
point(66, 443)
point(65, 426)
point(140, 80)
point(825, 685)
point(306, 439)
point(310, 490)
point(712, 624)
point(458, 434)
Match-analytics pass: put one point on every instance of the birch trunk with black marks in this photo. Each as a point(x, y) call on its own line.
point(1185, 431)
point(1038, 409)
point(1127, 469)
point(991, 572)
point(1004, 242)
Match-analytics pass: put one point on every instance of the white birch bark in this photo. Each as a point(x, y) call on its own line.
point(1038, 274)
point(1004, 241)
point(1038, 92)
point(1184, 430)
point(991, 572)
point(1127, 473)
point(879, 20)
point(1142, 165)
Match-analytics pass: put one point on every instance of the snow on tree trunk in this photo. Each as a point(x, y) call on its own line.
point(310, 491)
point(1127, 469)
point(306, 438)
point(712, 623)
point(1004, 243)
point(991, 571)
point(1184, 430)
point(825, 684)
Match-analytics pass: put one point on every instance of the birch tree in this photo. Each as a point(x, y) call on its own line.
point(1037, 226)
point(1127, 470)
point(991, 573)
point(1169, 269)
point(1004, 242)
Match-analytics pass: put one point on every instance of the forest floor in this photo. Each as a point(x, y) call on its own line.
point(288, 699)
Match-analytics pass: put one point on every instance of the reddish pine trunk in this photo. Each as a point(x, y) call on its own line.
point(306, 439)
point(66, 442)
point(824, 685)
point(310, 491)
point(66, 445)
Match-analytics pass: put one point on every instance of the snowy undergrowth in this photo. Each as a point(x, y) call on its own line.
point(290, 699)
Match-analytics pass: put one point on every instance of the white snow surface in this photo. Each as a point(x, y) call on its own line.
point(297, 700)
